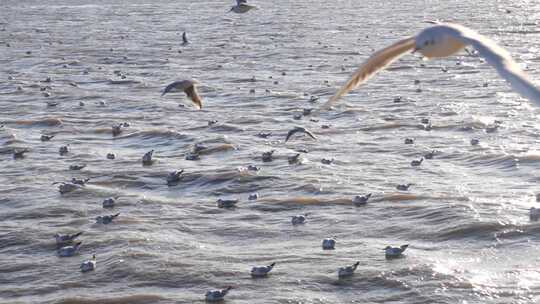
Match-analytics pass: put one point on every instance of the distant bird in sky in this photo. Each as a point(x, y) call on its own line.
point(442, 40)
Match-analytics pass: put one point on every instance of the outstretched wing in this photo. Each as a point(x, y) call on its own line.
point(177, 85)
point(370, 67)
point(500, 59)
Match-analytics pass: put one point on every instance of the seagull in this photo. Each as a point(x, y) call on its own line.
point(174, 177)
point(184, 39)
point(416, 163)
point(298, 219)
point(106, 219)
point(147, 158)
point(109, 202)
point(403, 187)
point(328, 244)
point(64, 239)
point(217, 295)
point(394, 252)
point(442, 40)
point(347, 271)
point(361, 200)
point(242, 7)
point(70, 250)
point(261, 271)
point(189, 87)
point(223, 203)
point(299, 129)
point(89, 265)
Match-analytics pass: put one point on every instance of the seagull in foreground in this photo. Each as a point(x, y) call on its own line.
point(217, 295)
point(442, 40)
point(89, 265)
point(394, 252)
point(68, 251)
point(242, 7)
point(299, 129)
point(188, 86)
point(261, 271)
point(347, 271)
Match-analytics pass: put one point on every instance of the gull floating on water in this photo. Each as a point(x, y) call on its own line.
point(442, 40)
point(89, 265)
point(188, 87)
point(106, 219)
point(184, 39)
point(109, 202)
point(217, 295)
point(394, 252)
point(261, 271)
point(226, 203)
point(242, 7)
point(174, 177)
point(361, 200)
point(298, 219)
point(65, 239)
point(328, 244)
point(347, 271)
point(69, 250)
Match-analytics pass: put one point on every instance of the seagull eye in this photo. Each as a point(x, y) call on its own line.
point(426, 43)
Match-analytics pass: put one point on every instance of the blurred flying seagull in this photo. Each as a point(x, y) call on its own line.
point(188, 87)
point(299, 129)
point(442, 40)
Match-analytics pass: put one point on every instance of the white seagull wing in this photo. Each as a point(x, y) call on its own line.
point(372, 65)
point(500, 59)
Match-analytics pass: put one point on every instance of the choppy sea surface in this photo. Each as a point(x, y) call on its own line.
point(465, 216)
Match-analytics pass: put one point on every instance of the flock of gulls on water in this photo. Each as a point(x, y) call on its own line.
point(438, 40)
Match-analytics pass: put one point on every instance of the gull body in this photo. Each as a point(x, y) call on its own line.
point(443, 40)
point(344, 272)
point(224, 203)
point(89, 265)
point(361, 200)
point(174, 177)
point(106, 219)
point(65, 239)
point(69, 250)
point(109, 202)
point(394, 252)
point(184, 39)
point(217, 295)
point(328, 244)
point(188, 87)
point(298, 219)
point(261, 271)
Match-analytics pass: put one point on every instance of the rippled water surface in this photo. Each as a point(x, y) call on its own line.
point(465, 216)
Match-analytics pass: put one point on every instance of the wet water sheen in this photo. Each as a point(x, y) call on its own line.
point(465, 216)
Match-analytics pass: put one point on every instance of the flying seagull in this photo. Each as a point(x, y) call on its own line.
point(188, 86)
point(442, 40)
